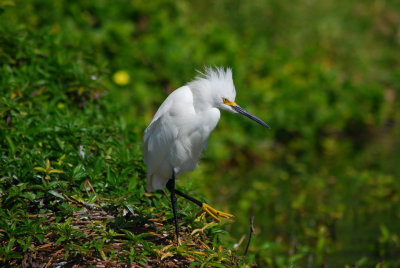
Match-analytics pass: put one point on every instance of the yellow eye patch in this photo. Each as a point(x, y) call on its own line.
point(228, 102)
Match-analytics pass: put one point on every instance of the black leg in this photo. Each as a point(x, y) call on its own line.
point(188, 197)
point(171, 188)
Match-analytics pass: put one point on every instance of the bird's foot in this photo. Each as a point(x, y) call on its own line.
point(215, 213)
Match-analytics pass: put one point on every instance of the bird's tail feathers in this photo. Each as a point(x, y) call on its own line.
point(155, 183)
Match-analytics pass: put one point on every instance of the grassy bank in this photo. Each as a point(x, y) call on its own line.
point(72, 175)
point(81, 80)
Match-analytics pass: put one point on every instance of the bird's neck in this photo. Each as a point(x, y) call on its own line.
point(202, 97)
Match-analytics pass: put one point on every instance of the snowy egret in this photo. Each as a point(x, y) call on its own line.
point(179, 131)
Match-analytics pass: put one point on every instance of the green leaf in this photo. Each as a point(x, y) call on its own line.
point(40, 169)
point(56, 194)
point(79, 172)
point(55, 171)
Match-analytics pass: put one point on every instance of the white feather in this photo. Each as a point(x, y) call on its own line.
point(182, 125)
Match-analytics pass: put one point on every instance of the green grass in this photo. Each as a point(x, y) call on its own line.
point(322, 183)
point(60, 129)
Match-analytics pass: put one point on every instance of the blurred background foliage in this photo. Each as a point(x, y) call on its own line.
point(323, 183)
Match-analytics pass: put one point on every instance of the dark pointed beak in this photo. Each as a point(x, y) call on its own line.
point(242, 111)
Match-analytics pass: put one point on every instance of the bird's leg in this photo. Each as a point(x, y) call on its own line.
point(171, 188)
point(205, 207)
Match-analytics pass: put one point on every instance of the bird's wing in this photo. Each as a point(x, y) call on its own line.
point(160, 135)
point(165, 106)
point(157, 139)
point(156, 143)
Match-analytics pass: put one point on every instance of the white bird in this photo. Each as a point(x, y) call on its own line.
point(179, 131)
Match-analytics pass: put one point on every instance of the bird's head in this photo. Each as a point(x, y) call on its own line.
point(215, 88)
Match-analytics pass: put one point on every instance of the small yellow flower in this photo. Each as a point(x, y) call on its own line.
point(121, 78)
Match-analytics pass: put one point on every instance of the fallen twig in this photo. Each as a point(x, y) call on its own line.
point(52, 258)
point(87, 182)
point(250, 234)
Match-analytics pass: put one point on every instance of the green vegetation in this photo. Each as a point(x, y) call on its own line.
point(80, 80)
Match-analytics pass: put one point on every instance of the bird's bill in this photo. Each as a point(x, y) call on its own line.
point(242, 111)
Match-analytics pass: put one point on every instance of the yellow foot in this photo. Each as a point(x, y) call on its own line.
point(215, 213)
